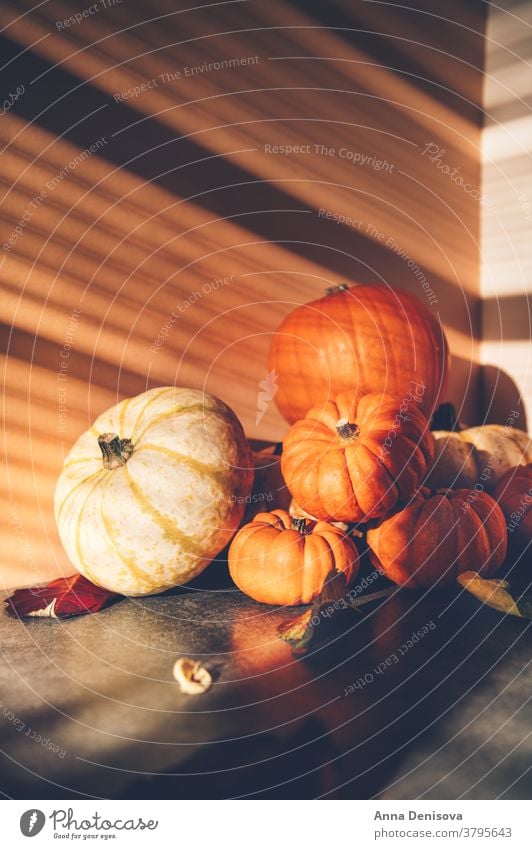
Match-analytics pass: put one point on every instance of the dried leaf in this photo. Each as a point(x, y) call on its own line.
point(496, 594)
point(193, 678)
point(294, 630)
point(331, 612)
point(59, 599)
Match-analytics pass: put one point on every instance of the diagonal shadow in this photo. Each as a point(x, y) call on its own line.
point(185, 168)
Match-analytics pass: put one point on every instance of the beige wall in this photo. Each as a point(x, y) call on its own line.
point(123, 241)
point(507, 215)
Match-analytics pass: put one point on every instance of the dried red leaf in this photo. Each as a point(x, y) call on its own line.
point(58, 599)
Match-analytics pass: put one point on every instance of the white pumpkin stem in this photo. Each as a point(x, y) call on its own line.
point(346, 429)
point(115, 451)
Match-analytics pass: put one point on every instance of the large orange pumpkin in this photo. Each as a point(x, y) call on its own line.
point(438, 536)
point(354, 461)
point(277, 559)
point(367, 338)
point(514, 495)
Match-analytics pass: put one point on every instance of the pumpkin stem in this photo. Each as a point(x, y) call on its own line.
point(335, 290)
point(299, 524)
point(116, 452)
point(346, 429)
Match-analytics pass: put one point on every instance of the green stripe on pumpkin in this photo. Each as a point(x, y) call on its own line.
point(168, 414)
point(87, 479)
point(146, 406)
point(169, 528)
point(86, 570)
point(129, 562)
point(219, 476)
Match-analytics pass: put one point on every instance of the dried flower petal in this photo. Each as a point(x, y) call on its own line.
point(193, 678)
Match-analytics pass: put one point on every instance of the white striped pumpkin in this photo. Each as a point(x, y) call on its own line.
point(154, 490)
point(477, 455)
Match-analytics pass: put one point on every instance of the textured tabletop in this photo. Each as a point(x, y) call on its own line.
point(89, 705)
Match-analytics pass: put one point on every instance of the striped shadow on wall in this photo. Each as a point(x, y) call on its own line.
point(162, 182)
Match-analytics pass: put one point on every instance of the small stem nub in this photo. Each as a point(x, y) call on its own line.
point(347, 430)
point(115, 451)
point(299, 524)
point(335, 290)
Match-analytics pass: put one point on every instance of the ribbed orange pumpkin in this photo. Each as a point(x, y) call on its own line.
point(364, 339)
point(514, 495)
point(439, 535)
point(354, 461)
point(276, 559)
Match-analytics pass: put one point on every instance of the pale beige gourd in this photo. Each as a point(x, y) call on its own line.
point(154, 490)
point(477, 455)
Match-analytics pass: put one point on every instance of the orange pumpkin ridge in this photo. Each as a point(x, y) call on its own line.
point(354, 460)
point(439, 535)
point(368, 338)
point(514, 496)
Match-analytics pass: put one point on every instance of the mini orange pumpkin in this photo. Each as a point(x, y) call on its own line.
point(437, 536)
point(514, 495)
point(277, 559)
point(354, 461)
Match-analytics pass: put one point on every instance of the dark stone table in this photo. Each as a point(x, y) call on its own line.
point(89, 706)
